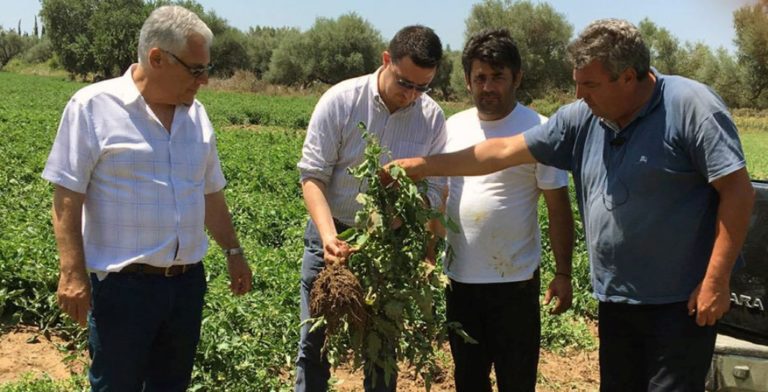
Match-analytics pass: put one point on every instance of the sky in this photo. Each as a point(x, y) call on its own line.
point(707, 21)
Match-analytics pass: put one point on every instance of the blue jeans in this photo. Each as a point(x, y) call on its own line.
point(653, 348)
point(504, 319)
point(312, 367)
point(144, 329)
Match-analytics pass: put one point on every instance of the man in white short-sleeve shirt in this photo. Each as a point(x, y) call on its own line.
point(493, 260)
point(137, 180)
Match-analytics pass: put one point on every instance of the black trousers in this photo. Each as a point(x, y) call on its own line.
point(504, 319)
point(143, 330)
point(653, 348)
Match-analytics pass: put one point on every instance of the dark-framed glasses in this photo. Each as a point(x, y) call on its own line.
point(422, 88)
point(407, 84)
point(195, 71)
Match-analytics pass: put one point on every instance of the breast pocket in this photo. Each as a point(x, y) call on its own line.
point(652, 175)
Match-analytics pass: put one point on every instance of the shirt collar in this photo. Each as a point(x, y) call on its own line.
point(129, 93)
point(655, 96)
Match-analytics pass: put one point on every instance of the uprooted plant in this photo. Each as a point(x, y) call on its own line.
point(398, 321)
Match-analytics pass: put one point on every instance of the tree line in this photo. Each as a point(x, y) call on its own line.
point(98, 38)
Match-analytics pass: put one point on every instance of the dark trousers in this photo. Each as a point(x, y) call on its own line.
point(143, 330)
point(312, 367)
point(653, 348)
point(504, 319)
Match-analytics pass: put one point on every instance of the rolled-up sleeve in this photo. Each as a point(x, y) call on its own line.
point(320, 151)
point(437, 185)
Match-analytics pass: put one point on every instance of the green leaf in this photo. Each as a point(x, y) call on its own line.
point(346, 234)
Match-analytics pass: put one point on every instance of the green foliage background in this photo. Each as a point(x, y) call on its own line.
point(541, 34)
point(93, 39)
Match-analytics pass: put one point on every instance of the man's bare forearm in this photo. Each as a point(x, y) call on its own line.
point(318, 208)
point(67, 227)
point(484, 158)
point(561, 231)
point(734, 210)
point(74, 288)
point(219, 222)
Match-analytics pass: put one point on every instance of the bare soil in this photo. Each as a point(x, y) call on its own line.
point(25, 351)
point(575, 371)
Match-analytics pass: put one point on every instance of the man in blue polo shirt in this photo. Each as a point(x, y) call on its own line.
point(665, 199)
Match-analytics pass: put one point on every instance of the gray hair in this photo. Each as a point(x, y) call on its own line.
point(169, 27)
point(616, 43)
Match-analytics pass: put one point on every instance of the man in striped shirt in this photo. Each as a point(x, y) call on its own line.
point(393, 104)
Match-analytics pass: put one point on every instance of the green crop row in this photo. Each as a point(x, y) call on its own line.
point(233, 108)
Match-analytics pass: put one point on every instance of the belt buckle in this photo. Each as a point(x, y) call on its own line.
point(167, 273)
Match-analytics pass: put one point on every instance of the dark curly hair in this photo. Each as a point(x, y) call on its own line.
point(493, 46)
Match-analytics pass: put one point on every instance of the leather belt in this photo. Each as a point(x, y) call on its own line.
point(170, 271)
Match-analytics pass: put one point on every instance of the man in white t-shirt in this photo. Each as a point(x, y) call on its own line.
point(493, 261)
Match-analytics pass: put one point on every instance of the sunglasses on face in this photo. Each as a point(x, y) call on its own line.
point(422, 88)
point(408, 85)
point(195, 71)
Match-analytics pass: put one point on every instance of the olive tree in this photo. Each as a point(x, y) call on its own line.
point(287, 65)
point(330, 51)
point(261, 42)
point(228, 53)
point(66, 24)
point(100, 38)
point(664, 47)
point(114, 30)
point(751, 23)
point(11, 45)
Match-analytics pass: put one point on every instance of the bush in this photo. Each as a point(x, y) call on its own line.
point(228, 53)
point(41, 52)
point(331, 51)
point(550, 102)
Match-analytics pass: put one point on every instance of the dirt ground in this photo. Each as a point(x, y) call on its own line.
point(568, 371)
point(23, 350)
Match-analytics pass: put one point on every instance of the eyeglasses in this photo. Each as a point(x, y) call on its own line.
point(408, 85)
point(422, 88)
point(195, 71)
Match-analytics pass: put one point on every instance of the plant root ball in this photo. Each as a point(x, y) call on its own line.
point(336, 295)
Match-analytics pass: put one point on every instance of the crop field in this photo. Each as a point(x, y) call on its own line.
point(248, 343)
point(754, 140)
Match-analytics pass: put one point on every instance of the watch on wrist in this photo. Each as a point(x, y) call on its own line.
point(233, 251)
